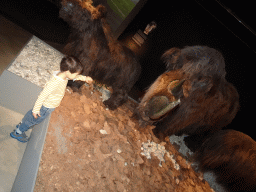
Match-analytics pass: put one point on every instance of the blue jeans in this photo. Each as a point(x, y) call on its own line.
point(29, 120)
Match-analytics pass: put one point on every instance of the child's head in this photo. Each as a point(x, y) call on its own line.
point(71, 64)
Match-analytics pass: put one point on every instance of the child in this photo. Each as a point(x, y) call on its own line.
point(51, 96)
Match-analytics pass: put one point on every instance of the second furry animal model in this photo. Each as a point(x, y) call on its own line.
point(104, 59)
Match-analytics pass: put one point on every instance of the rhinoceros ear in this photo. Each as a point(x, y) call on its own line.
point(170, 58)
point(96, 12)
point(99, 12)
point(102, 11)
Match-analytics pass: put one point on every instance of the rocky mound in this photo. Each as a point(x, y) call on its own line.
point(89, 148)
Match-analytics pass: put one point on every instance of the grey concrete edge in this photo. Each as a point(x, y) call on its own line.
point(26, 177)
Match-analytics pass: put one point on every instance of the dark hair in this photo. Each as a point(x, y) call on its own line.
point(72, 64)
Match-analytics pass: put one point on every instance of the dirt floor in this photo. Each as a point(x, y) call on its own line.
point(89, 148)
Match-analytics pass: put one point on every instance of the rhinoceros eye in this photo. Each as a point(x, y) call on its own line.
point(68, 7)
point(70, 4)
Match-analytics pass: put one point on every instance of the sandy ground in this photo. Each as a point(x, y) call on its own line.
point(90, 148)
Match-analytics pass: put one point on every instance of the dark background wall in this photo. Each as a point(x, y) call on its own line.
point(179, 23)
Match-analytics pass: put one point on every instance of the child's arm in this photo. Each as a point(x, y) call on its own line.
point(49, 87)
point(87, 79)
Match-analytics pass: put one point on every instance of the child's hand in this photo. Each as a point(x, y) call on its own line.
point(35, 115)
point(89, 80)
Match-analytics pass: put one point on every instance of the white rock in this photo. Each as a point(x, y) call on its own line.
point(102, 131)
point(118, 151)
point(159, 151)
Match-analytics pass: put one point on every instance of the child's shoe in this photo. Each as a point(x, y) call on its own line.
point(20, 137)
point(17, 126)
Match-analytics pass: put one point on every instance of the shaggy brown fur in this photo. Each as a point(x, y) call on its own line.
point(231, 155)
point(208, 101)
point(104, 59)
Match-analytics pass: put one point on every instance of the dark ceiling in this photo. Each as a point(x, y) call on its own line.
point(237, 16)
point(242, 11)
